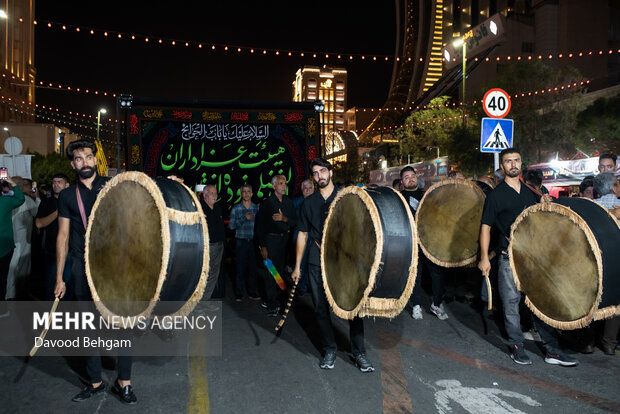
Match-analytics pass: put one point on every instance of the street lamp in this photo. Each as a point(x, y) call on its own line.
point(457, 43)
point(101, 111)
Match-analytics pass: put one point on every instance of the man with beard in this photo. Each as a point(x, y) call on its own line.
point(312, 220)
point(501, 208)
point(74, 206)
point(47, 219)
point(413, 195)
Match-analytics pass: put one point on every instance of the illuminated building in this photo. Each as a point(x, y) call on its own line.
point(329, 85)
point(17, 58)
point(542, 27)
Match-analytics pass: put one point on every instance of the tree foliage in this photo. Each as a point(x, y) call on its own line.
point(441, 126)
point(598, 126)
point(428, 129)
point(44, 167)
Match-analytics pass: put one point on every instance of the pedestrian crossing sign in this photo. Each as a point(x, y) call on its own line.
point(496, 134)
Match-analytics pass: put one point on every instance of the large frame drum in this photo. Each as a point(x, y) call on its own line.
point(369, 253)
point(564, 257)
point(147, 247)
point(448, 222)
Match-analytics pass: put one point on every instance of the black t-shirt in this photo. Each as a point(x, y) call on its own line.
point(312, 218)
point(215, 222)
point(47, 207)
point(68, 208)
point(413, 198)
point(265, 223)
point(502, 207)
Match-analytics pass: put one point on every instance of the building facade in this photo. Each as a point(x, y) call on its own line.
point(532, 27)
point(329, 85)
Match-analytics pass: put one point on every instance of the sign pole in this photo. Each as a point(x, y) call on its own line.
point(496, 160)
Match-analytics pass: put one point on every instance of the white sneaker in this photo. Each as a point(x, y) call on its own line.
point(416, 312)
point(439, 312)
point(531, 335)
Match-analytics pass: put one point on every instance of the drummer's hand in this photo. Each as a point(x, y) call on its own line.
point(615, 212)
point(175, 178)
point(264, 253)
point(60, 289)
point(296, 275)
point(546, 198)
point(485, 266)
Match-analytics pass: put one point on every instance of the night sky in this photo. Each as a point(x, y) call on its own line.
point(154, 70)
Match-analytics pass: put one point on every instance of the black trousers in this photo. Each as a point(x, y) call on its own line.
point(323, 317)
point(93, 361)
point(276, 249)
point(5, 263)
point(437, 278)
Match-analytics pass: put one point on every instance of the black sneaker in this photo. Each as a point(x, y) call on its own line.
point(263, 305)
point(126, 393)
point(328, 360)
point(363, 364)
point(557, 357)
point(238, 298)
point(518, 355)
point(88, 392)
point(274, 312)
point(254, 296)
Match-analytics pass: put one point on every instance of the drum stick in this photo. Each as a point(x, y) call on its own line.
point(49, 320)
point(489, 292)
point(288, 308)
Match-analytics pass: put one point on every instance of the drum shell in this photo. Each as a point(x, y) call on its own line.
point(562, 294)
point(389, 274)
point(177, 241)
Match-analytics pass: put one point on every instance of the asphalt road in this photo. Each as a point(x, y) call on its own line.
point(460, 365)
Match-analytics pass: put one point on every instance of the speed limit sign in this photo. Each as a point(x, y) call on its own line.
point(496, 103)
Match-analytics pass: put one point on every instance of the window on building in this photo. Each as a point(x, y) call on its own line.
point(527, 47)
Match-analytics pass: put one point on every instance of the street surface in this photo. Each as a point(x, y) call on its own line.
point(460, 365)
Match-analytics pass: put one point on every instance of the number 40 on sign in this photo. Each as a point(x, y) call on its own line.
point(496, 103)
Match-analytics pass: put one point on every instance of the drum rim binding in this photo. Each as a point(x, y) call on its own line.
point(376, 307)
point(449, 181)
point(165, 215)
point(583, 225)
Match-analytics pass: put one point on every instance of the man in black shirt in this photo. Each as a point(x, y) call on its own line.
point(413, 194)
point(276, 216)
point(47, 219)
point(217, 236)
point(74, 206)
point(501, 208)
point(311, 222)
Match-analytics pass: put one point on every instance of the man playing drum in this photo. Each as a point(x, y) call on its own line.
point(74, 206)
point(311, 222)
point(501, 208)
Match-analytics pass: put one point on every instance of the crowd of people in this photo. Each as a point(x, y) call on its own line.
point(288, 233)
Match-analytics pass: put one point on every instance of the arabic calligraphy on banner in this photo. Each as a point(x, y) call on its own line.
point(224, 131)
point(226, 155)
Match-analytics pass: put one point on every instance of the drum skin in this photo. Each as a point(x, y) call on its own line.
point(563, 258)
point(146, 247)
point(448, 222)
point(369, 253)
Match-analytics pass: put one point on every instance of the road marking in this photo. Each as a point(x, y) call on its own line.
point(477, 400)
point(546, 386)
point(198, 401)
point(396, 397)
